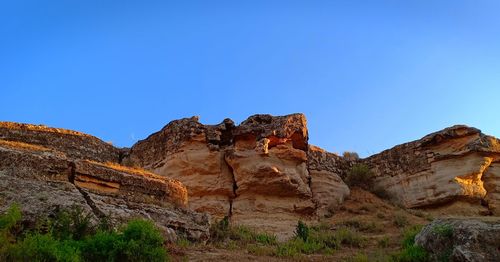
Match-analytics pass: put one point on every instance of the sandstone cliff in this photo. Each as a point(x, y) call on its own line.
point(256, 173)
point(45, 169)
point(456, 165)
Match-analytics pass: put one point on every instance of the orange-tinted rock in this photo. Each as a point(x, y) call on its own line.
point(49, 175)
point(192, 153)
point(443, 167)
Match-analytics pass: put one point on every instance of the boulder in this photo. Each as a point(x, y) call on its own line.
point(454, 239)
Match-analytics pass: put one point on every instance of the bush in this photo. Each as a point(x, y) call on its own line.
point(70, 236)
point(360, 175)
point(410, 251)
point(351, 156)
point(71, 223)
point(302, 231)
point(443, 230)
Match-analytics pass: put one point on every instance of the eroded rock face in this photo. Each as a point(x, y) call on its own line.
point(269, 163)
point(192, 153)
point(454, 239)
point(256, 173)
point(443, 167)
point(326, 171)
point(44, 178)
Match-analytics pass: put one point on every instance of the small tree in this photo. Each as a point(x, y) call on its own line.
point(302, 231)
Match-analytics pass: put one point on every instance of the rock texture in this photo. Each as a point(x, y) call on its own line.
point(455, 239)
point(269, 163)
point(458, 163)
point(194, 154)
point(256, 173)
point(55, 168)
point(326, 171)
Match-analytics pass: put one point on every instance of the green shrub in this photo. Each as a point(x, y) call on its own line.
point(443, 230)
point(410, 251)
point(103, 246)
point(10, 218)
point(348, 237)
point(9, 225)
point(412, 254)
point(71, 223)
point(360, 175)
point(70, 236)
point(302, 231)
point(143, 242)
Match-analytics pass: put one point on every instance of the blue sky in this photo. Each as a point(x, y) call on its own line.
point(367, 74)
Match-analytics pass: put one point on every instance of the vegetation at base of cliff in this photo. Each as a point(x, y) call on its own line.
point(70, 236)
point(361, 176)
point(318, 239)
point(411, 252)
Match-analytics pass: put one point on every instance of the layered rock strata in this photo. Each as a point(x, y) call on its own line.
point(256, 173)
point(457, 164)
point(327, 171)
point(42, 177)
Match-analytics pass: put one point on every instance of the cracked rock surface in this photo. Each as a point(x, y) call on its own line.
point(455, 169)
point(42, 178)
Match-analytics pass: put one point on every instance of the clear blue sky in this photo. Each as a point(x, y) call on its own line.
point(367, 74)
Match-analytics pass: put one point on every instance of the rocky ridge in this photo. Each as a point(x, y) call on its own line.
point(261, 173)
point(46, 169)
point(456, 166)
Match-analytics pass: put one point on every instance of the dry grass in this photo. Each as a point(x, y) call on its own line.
point(22, 146)
point(42, 128)
point(127, 169)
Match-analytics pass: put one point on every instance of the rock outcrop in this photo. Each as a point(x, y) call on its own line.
point(327, 171)
point(269, 163)
point(45, 169)
point(192, 153)
point(457, 164)
point(256, 173)
point(466, 239)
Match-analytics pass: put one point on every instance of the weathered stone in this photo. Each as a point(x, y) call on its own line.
point(74, 144)
point(43, 180)
point(446, 166)
point(466, 239)
point(193, 154)
point(256, 173)
point(328, 188)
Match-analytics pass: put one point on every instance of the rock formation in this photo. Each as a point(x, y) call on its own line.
point(457, 164)
point(461, 239)
point(256, 173)
point(326, 171)
point(261, 173)
point(45, 169)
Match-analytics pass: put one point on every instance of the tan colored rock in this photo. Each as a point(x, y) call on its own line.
point(43, 179)
point(74, 144)
point(328, 188)
point(269, 163)
point(446, 166)
point(192, 153)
